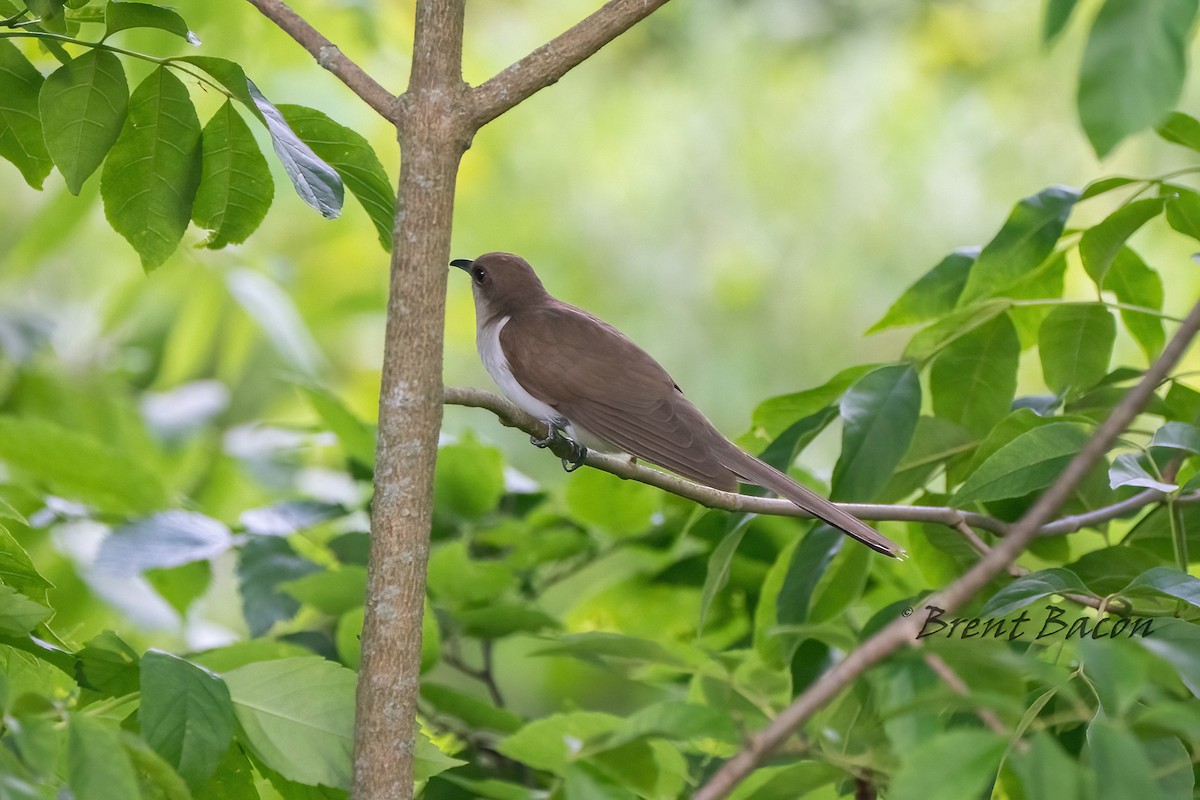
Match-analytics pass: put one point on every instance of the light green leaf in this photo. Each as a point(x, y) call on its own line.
point(1029, 462)
point(596, 645)
point(879, 414)
point(1055, 16)
point(1076, 343)
point(1183, 210)
point(297, 715)
point(1178, 643)
point(472, 710)
point(964, 761)
point(1032, 587)
point(974, 380)
point(1100, 243)
point(120, 16)
point(357, 437)
point(719, 563)
point(429, 760)
point(504, 619)
point(468, 480)
point(1133, 67)
point(169, 539)
point(1023, 243)
point(97, 766)
point(186, 715)
point(150, 178)
point(235, 184)
point(334, 591)
point(229, 76)
point(952, 327)
point(317, 183)
point(553, 742)
point(1126, 470)
point(21, 139)
point(1045, 770)
point(1166, 581)
point(935, 293)
point(1181, 128)
point(777, 414)
point(677, 721)
point(83, 105)
point(79, 467)
point(18, 614)
point(618, 507)
point(348, 152)
point(1136, 284)
point(16, 568)
point(1104, 185)
point(1119, 764)
point(1178, 436)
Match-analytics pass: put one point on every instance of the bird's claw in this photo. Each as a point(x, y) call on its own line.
point(543, 442)
point(578, 456)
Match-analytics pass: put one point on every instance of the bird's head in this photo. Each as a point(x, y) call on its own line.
point(501, 283)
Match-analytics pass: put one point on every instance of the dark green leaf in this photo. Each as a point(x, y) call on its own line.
point(952, 327)
point(777, 414)
point(472, 710)
point(1178, 643)
point(1181, 129)
point(1029, 462)
point(1023, 243)
point(1055, 17)
point(1045, 770)
point(77, 466)
point(186, 715)
point(288, 517)
point(164, 540)
point(263, 564)
point(45, 9)
point(107, 665)
point(974, 380)
point(1119, 763)
point(879, 414)
point(1104, 185)
point(934, 443)
point(719, 562)
point(594, 646)
point(83, 105)
point(935, 293)
point(235, 184)
point(150, 178)
point(1127, 470)
point(97, 766)
point(316, 182)
point(16, 568)
point(1136, 284)
point(1183, 401)
point(119, 16)
point(1178, 436)
point(676, 721)
point(229, 76)
point(1100, 243)
point(1167, 581)
point(963, 761)
point(352, 156)
point(1183, 210)
point(552, 743)
point(1032, 587)
point(502, 619)
point(582, 781)
point(1076, 343)
point(429, 760)
point(21, 139)
point(783, 450)
point(1133, 67)
point(297, 715)
point(809, 561)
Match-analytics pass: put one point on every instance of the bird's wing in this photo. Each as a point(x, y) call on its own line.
point(605, 384)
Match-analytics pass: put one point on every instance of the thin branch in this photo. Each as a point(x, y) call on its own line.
point(545, 65)
point(903, 630)
point(513, 417)
point(330, 57)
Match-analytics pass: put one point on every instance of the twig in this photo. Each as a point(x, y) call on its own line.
point(545, 65)
point(513, 417)
point(904, 629)
point(959, 687)
point(330, 57)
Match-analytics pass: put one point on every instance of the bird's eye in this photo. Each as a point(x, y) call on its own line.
point(478, 274)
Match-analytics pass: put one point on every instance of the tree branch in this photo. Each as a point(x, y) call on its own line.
point(903, 630)
point(513, 417)
point(545, 65)
point(330, 57)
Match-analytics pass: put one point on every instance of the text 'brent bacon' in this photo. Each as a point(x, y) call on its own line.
point(1052, 625)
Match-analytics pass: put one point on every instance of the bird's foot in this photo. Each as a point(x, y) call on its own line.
point(544, 442)
point(578, 456)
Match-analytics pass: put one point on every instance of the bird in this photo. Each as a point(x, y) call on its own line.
point(585, 379)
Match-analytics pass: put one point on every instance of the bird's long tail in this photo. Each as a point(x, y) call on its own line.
point(752, 470)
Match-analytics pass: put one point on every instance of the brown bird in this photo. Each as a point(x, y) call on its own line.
point(583, 377)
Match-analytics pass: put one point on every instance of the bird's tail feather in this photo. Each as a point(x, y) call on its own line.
point(759, 472)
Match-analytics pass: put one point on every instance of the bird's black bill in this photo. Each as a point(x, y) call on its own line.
point(463, 263)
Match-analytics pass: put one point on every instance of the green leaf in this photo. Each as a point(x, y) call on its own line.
point(1136, 284)
point(504, 619)
point(229, 76)
point(1166, 581)
point(594, 646)
point(120, 16)
point(774, 416)
point(1032, 587)
point(476, 713)
point(1100, 243)
point(83, 105)
point(935, 293)
point(807, 563)
point(677, 721)
point(1055, 17)
point(1133, 68)
point(1045, 770)
point(18, 614)
point(1104, 185)
point(263, 564)
point(97, 766)
point(1119, 763)
point(457, 580)
point(109, 666)
point(1126, 470)
point(469, 479)
point(186, 715)
point(719, 563)
point(150, 178)
point(79, 467)
point(618, 507)
point(429, 760)
point(952, 327)
point(169, 539)
point(316, 182)
point(332, 591)
point(1178, 643)
point(1029, 462)
point(288, 517)
point(357, 437)
point(235, 184)
point(1183, 210)
point(1181, 128)
point(21, 139)
point(964, 761)
point(297, 715)
point(348, 152)
point(1076, 343)
point(16, 568)
point(879, 414)
point(552, 743)
point(974, 380)
point(1023, 243)
point(935, 442)
point(1178, 436)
